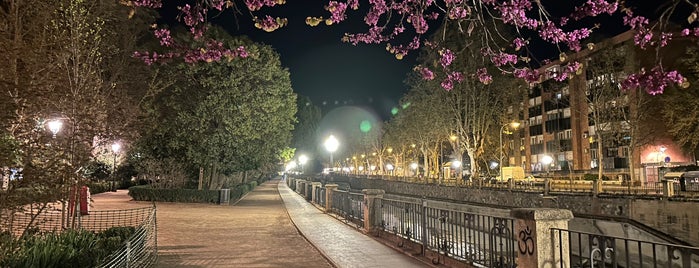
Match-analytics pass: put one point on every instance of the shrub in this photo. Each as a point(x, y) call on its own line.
point(97, 187)
point(593, 177)
point(72, 248)
point(147, 193)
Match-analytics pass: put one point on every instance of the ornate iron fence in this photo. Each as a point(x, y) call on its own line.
point(349, 205)
point(472, 238)
point(595, 250)
point(319, 197)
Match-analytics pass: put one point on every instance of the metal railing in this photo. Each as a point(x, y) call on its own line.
point(320, 196)
point(558, 186)
point(595, 250)
point(140, 249)
point(349, 205)
point(477, 239)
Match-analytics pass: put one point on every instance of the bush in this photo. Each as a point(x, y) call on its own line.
point(98, 187)
point(147, 193)
point(72, 248)
point(593, 177)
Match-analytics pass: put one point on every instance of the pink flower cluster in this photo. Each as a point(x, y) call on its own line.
point(337, 11)
point(457, 13)
point(150, 58)
point(553, 34)
point(518, 43)
point(653, 82)
point(254, 5)
point(419, 23)
point(164, 36)
point(447, 57)
point(426, 73)
point(451, 79)
point(148, 3)
point(374, 36)
point(501, 58)
point(593, 8)
point(269, 24)
point(515, 12)
point(529, 75)
point(483, 76)
point(378, 8)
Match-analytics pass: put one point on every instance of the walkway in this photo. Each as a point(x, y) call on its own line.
point(344, 245)
point(258, 232)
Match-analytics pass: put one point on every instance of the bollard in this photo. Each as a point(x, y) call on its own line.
point(372, 205)
point(535, 246)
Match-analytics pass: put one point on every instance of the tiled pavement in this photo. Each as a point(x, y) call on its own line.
point(258, 232)
point(342, 244)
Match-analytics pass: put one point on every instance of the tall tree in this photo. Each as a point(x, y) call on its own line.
point(226, 117)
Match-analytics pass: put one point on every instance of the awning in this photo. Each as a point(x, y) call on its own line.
point(691, 174)
point(673, 175)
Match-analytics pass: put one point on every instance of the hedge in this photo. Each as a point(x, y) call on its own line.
point(147, 193)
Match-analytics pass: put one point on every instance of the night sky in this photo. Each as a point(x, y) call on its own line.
point(322, 67)
point(335, 74)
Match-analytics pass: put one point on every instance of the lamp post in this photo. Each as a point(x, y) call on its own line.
point(55, 126)
point(331, 144)
point(303, 159)
point(115, 149)
point(514, 125)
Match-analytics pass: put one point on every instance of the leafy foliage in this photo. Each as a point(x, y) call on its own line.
point(72, 248)
point(226, 117)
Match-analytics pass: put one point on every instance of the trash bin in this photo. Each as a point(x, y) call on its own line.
point(224, 197)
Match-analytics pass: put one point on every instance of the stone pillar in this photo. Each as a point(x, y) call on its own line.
point(536, 245)
point(300, 186)
point(372, 201)
point(329, 188)
point(547, 186)
point(314, 192)
point(668, 188)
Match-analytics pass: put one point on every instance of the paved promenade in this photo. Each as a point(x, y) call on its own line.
point(258, 231)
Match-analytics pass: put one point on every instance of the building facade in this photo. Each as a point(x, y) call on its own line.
point(567, 124)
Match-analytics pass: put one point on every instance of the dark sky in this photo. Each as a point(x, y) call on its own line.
point(322, 67)
point(333, 73)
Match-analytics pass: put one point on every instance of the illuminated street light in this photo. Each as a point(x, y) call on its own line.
point(116, 147)
point(55, 126)
point(514, 125)
point(303, 159)
point(414, 166)
point(291, 165)
point(546, 160)
point(331, 144)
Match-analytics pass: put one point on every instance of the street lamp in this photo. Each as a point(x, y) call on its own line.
point(331, 144)
point(514, 125)
point(115, 149)
point(547, 160)
point(55, 126)
point(303, 159)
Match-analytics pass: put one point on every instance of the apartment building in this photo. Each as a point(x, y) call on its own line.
point(560, 119)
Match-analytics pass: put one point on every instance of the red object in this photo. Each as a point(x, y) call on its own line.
point(84, 201)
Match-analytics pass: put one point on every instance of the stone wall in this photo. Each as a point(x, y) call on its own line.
point(680, 219)
point(676, 218)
